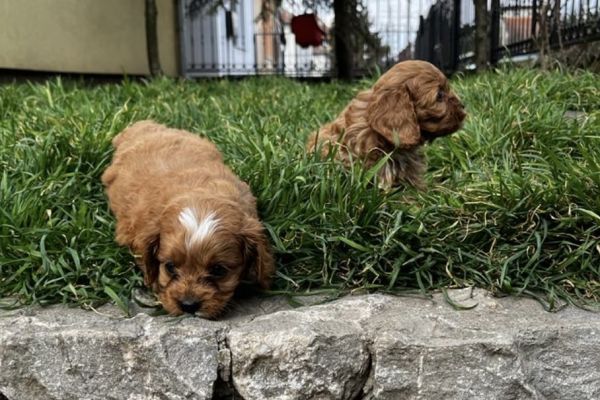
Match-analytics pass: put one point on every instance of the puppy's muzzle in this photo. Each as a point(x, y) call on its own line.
point(189, 305)
point(459, 107)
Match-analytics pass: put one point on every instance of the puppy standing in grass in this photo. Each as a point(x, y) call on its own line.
point(190, 222)
point(410, 104)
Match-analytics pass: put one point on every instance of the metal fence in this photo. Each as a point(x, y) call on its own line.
point(235, 41)
point(438, 38)
point(285, 57)
point(289, 59)
point(446, 37)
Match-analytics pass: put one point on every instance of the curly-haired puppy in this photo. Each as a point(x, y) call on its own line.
point(410, 104)
point(190, 222)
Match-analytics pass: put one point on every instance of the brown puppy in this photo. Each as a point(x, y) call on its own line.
point(410, 104)
point(190, 222)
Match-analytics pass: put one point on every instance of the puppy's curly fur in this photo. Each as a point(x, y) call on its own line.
point(191, 223)
point(410, 104)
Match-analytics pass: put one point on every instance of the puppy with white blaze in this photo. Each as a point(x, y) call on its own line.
point(190, 222)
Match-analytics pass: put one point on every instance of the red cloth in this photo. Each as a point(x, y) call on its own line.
point(307, 30)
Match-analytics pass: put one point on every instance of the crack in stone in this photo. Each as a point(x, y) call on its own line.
point(66, 354)
point(223, 388)
point(366, 387)
point(365, 390)
point(523, 369)
point(224, 355)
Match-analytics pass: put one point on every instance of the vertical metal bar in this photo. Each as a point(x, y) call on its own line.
point(215, 46)
point(283, 51)
point(456, 32)
point(555, 37)
point(519, 25)
point(255, 54)
point(495, 32)
point(432, 39)
point(534, 18)
point(181, 24)
point(407, 24)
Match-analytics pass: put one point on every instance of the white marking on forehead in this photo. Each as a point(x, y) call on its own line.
point(197, 230)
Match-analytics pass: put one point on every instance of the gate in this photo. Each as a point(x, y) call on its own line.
point(216, 41)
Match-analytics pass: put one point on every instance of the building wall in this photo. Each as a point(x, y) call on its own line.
point(84, 36)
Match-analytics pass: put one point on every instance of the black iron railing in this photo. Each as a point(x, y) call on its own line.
point(438, 39)
point(446, 37)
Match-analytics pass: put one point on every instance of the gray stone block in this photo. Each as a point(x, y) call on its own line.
point(358, 347)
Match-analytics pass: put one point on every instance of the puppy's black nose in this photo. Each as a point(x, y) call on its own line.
point(189, 305)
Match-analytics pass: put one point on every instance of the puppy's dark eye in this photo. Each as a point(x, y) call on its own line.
point(440, 95)
point(170, 266)
point(218, 271)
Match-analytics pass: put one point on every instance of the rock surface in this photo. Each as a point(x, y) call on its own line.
point(362, 347)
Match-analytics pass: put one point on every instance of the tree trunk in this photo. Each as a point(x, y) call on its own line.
point(152, 38)
point(482, 50)
point(344, 61)
point(543, 40)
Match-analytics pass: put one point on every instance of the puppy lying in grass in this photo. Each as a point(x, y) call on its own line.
point(410, 104)
point(190, 222)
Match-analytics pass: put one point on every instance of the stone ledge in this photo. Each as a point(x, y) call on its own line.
point(362, 347)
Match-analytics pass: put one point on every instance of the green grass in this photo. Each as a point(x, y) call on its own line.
point(513, 202)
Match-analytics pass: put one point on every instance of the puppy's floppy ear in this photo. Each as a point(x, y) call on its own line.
point(147, 253)
point(257, 253)
point(391, 113)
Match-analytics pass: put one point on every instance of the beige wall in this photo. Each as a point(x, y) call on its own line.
point(88, 36)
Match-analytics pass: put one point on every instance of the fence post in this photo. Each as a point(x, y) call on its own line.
point(534, 17)
point(495, 31)
point(456, 36)
point(431, 37)
point(555, 35)
point(256, 54)
point(482, 36)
